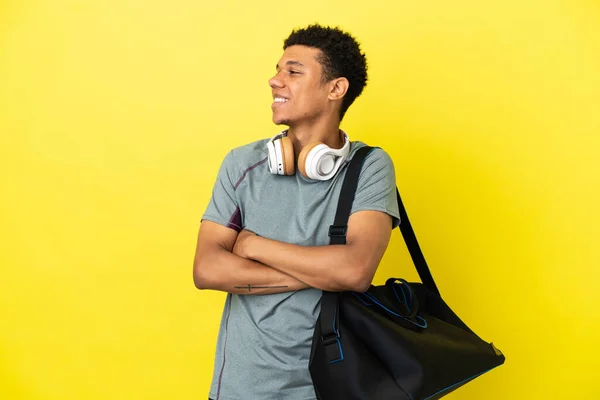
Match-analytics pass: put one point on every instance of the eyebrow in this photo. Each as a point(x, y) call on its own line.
point(291, 62)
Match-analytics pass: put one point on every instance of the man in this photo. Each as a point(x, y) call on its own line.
point(264, 236)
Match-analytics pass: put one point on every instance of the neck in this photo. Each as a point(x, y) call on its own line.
point(326, 133)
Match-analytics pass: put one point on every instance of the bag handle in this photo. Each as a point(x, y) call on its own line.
point(337, 233)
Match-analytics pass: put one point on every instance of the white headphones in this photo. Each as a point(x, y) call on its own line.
point(315, 161)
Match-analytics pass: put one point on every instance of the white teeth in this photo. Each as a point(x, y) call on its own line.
point(280, 100)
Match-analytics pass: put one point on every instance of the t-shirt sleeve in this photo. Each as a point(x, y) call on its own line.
point(377, 186)
point(223, 207)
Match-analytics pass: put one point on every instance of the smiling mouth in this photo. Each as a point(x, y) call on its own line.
point(278, 101)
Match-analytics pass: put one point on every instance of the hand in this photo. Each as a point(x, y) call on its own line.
point(243, 243)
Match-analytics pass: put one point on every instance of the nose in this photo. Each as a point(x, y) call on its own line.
point(276, 82)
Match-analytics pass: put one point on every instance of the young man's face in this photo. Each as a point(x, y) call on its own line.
point(299, 94)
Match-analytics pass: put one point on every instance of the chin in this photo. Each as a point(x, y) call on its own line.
point(280, 121)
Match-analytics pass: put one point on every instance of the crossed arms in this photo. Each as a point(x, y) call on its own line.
point(245, 263)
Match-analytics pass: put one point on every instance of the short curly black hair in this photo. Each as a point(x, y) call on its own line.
point(341, 57)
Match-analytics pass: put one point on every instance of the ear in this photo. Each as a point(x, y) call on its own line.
point(338, 88)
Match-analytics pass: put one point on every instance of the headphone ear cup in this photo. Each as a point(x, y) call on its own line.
point(287, 152)
point(302, 157)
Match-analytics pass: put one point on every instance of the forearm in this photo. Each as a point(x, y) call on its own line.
point(224, 271)
point(332, 268)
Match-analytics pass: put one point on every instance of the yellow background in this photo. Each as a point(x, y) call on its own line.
point(115, 116)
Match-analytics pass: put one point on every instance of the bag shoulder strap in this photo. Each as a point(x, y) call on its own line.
point(329, 316)
point(337, 233)
point(414, 249)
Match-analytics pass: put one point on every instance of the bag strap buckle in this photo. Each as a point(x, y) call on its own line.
point(338, 230)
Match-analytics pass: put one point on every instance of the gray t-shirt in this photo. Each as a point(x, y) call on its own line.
point(264, 341)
